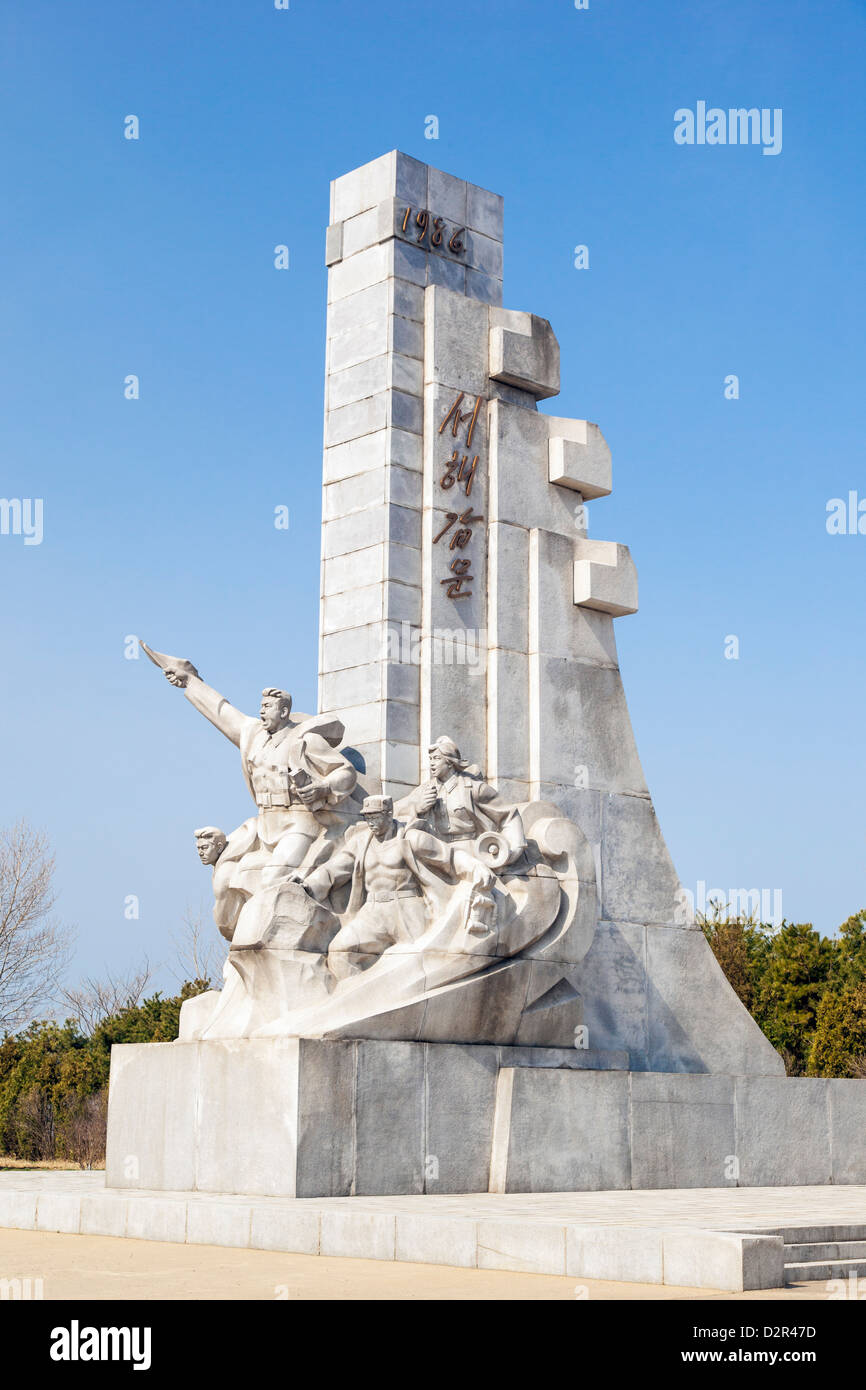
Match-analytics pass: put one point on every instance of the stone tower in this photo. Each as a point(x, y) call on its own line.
point(461, 593)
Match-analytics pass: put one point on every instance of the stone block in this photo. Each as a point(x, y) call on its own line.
point(360, 418)
point(363, 379)
point(683, 1131)
point(362, 231)
point(605, 577)
point(223, 1223)
point(18, 1210)
point(526, 1246)
point(355, 646)
point(407, 337)
point(357, 682)
point(569, 1131)
point(389, 1120)
point(783, 1131)
point(405, 449)
point(247, 1117)
point(358, 1235)
point(359, 272)
point(455, 348)
point(847, 1128)
point(334, 244)
point(400, 682)
point(357, 457)
point(449, 275)
point(156, 1218)
point(405, 412)
point(487, 288)
point(367, 309)
point(527, 358)
point(58, 1211)
point(628, 1254)
point(284, 1228)
point(406, 262)
point(716, 1260)
point(326, 1098)
point(151, 1123)
point(355, 494)
point(407, 301)
point(401, 721)
point(484, 254)
point(436, 1240)
point(400, 764)
point(584, 465)
point(370, 527)
point(446, 196)
point(393, 175)
point(103, 1215)
point(485, 211)
point(352, 608)
point(461, 1092)
point(365, 721)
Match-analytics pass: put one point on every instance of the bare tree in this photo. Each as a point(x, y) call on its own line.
point(93, 1001)
point(34, 950)
point(81, 1124)
point(200, 951)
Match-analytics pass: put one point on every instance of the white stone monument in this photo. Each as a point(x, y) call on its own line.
point(459, 955)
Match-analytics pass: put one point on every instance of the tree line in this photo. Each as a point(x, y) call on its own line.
point(807, 992)
point(54, 1075)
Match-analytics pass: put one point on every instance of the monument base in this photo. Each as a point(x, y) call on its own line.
point(300, 1117)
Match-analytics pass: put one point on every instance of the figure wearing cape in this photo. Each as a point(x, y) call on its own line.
point(276, 767)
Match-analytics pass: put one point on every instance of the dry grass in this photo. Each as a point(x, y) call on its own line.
point(47, 1165)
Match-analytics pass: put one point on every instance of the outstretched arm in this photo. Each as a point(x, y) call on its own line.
point(216, 708)
point(209, 702)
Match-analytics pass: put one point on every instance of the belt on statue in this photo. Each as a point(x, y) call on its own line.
point(387, 895)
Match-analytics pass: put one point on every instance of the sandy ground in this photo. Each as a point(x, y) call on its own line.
point(75, 1267)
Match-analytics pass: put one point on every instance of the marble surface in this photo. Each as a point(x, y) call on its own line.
point(732, 1239)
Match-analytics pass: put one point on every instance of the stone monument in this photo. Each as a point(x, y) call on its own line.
point(459, 958)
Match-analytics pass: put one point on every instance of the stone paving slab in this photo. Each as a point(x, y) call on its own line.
point(730, 1239)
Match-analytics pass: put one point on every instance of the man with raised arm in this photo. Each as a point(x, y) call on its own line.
point(293, 770)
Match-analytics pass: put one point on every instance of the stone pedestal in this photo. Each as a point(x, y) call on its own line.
point(310, 1118)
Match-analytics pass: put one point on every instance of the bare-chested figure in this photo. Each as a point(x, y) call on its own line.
point(386, 865)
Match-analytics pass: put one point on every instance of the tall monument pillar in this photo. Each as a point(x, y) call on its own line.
point(463, 595)
point(400, 232)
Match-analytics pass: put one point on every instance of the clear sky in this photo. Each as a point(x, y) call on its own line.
point(155, 257)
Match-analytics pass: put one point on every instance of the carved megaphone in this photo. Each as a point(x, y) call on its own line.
point(165, 663)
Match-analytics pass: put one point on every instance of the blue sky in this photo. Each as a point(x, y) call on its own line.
point(155, 257)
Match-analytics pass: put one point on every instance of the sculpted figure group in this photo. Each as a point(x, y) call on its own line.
point(333, 901)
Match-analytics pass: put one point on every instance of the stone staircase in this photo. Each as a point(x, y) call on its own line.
point(823, 1252)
